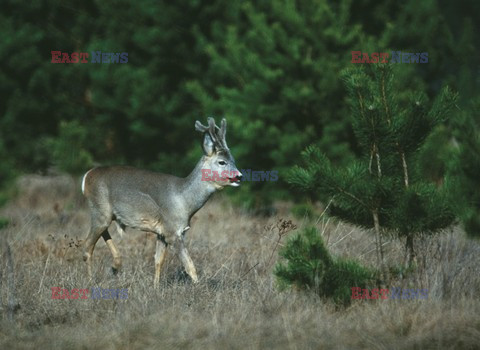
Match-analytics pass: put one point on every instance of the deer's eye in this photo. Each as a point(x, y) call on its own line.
point(222, 162)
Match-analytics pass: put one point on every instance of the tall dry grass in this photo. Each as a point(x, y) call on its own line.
point(236, 305)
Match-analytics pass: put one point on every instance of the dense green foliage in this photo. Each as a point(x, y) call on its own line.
point(68, 149)
point(464, 168)
point(271, 68)
point(384, 188)
point(309, 265)
point(7, 174)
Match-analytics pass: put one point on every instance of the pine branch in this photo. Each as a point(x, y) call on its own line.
point(384, 98)
point(348, 194)
point(405, 168)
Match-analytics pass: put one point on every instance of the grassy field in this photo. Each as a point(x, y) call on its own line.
point(236, 305)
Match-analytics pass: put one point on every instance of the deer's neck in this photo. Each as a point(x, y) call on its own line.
point(195, 191)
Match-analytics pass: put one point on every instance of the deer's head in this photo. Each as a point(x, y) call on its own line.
point(219, 165)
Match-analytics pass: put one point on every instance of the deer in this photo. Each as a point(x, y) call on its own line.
point(158, 203)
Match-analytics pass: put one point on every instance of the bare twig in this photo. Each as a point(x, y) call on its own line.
point(43, 274)
point(13, 306)
point(282, 227)
point(250, 269)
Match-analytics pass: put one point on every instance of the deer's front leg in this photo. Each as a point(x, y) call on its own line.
point(186, 260)
point(160, 254)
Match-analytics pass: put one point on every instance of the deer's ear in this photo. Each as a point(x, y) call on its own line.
point(208, 146)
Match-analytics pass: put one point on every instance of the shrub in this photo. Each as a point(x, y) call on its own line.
point(309, 266)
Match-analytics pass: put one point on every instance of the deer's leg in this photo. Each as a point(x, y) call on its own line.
point(98, 227)
point(120, 228)
point(117, 259)
point(186, 260)
point(160, 254)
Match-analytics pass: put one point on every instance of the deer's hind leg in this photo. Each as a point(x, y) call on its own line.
point(99, 226)
point(117, 259)
point(160, 254)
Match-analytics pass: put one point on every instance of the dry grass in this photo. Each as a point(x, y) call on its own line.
point(236, 305)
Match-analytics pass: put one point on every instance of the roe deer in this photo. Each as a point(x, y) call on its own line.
point(154, 202)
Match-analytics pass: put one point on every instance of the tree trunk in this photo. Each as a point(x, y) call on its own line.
point(411, 256)
point(379, 247)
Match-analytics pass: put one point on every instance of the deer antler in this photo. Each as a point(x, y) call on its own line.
point(218, 137)
point(221, 134)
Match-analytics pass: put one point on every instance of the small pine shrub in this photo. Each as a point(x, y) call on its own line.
point(309, 266)
point(303, 210)
point(3, 223)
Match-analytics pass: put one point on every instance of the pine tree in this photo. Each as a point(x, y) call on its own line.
point(383, 189)
point(309, 266)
